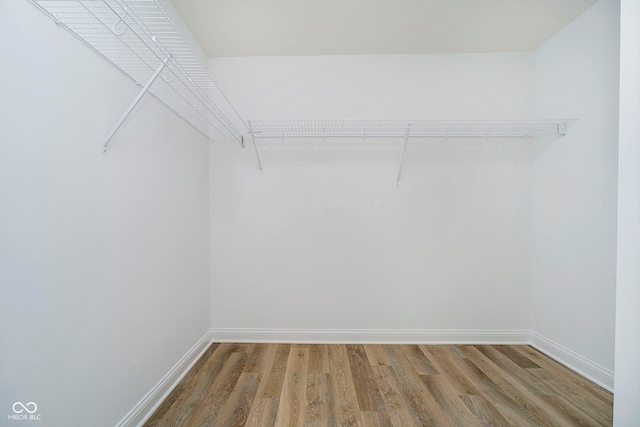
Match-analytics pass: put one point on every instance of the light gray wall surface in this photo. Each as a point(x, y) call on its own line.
point(104, 260)
point(627, 378)
point(574, 198)
point(324, 239)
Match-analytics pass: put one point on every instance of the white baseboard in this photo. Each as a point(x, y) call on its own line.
point(592, 371)
point(371, 336)
point(149, 403)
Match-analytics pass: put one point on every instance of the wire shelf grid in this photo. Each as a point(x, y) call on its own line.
point(136, 36)
point(282, 129)
point(408, 128)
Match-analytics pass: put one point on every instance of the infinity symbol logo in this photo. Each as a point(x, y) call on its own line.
point(25, 407)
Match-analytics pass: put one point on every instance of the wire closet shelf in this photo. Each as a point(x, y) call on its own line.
point(138, 38)
point(406, 128)
point(283, 129)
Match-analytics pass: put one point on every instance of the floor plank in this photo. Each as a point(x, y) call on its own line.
point(318, 359)
point(273, 372)
point(376, 419)
point(421, 363)
point(369, 397)
point(543, 412)
point(263, 413)
point(235, 412)
point(422, 402)
point(564, 377)
point(484, 412)
point(291, 410)
point(397, 406)
point(344, 402)
point(219, 392)
point(180, 413)
point(564, 410)
point(318, 412)
point(376, 355)
point(450, 401)
point(514, 411)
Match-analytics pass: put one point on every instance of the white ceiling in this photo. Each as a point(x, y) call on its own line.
point(353, 27)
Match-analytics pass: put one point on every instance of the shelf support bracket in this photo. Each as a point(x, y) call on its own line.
point(255, 147)
point(134, 103)
point(562, 129)
point(404, 152)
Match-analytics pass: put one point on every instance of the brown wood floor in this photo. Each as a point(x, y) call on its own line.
point(263, 385)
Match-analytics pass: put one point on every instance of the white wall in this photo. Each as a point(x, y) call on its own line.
point(627, 397)
point(104, 263)
point(325, 219)
point(574, 187)
point(475, 86)
point(323, 239)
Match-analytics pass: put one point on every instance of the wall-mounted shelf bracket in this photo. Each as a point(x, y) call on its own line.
point(255, 147)
point(404, 152)
point(134, 103)
point(562, 128)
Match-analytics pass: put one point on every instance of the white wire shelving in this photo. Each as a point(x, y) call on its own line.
point(521, 128)
point(412, 128)
point(138, 38)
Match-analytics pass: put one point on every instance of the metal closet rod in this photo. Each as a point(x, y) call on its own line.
point(297, 129)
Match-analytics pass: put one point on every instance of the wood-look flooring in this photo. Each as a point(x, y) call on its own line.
point(264, 385)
